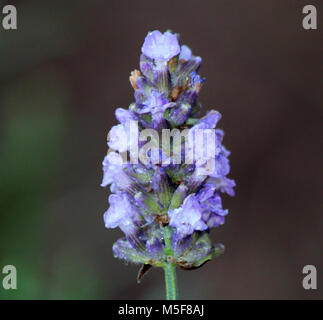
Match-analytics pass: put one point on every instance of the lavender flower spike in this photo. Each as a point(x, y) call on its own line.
point(167, 200)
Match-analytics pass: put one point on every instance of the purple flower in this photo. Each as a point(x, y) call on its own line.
point(180, 113)
point(223, 184)
point(118, 138)
point(160, 46)
point(199, 211)
point(124, 136)
point(196, 80)
point(203, 145)
point(186, 53)
point(209, 121)
point(113, 172)
point(187, 218)
point(155, 248)
point(124, 116)
point(121, 214)
point(221, 167)
point(156, 104)
point(211, 204)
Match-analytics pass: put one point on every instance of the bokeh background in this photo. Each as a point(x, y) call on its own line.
point(63, 73)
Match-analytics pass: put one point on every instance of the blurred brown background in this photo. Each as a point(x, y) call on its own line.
point(62, 75)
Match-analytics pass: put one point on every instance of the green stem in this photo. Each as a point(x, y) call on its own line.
point(169, 267)
point(170, 280)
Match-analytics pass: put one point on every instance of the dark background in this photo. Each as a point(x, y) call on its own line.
point(62, 75)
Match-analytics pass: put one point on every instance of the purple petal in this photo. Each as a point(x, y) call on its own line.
point(188, 217)
point(186, 53)
point(160, 46)
point(121, 214)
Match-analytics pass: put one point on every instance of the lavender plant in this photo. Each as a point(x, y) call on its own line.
point(165, 197)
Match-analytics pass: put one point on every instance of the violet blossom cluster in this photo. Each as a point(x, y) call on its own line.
point(165, 211)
